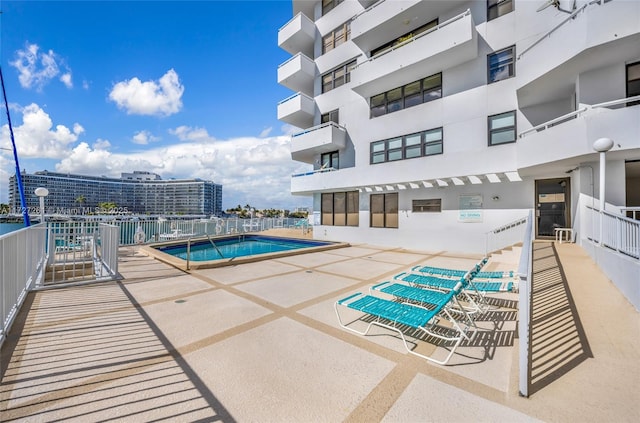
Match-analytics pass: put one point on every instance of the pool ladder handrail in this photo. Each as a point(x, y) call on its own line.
point(215, 246)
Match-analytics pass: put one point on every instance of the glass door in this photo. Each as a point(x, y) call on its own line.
point(552, 206)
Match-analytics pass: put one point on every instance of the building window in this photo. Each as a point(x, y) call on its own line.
point(337, 77)
point(336, 37)
point(332, 116)
point(502, 128)
point(633, 82)
point(412, 94)
point(501, 65)
point(433, 205)
point(340, 208)
point(329, 160)
point(497, 8)
point(404, 37)
point(420, 144)
point(384, 210)
point(328, 5)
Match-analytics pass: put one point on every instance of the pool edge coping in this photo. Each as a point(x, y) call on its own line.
point(152, 251)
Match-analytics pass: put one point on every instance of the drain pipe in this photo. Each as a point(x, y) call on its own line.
point(188, 251)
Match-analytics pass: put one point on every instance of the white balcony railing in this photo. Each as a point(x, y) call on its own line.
point(297, 73)
point(306, 145)
point(297, 110)
point(297, 35)
point(569, 116)
point(443, 46)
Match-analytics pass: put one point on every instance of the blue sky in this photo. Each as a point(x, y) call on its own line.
point(183, 89)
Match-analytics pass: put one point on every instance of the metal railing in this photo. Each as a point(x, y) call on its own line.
point(318, 127)
point(22, 260)
point(505, 235)
point(81, 251)
point(414, 38)
point(562, 23)
point(525, 273)
point(631, 212)
point(168, 230)
point(619, 233)
point(572, 115)
point(292, 96)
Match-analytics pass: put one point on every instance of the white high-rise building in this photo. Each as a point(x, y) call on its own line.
point(431, 123)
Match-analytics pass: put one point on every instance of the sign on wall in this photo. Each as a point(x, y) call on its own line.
point(470, 208)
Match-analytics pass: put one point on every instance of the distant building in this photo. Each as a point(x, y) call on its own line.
point(137, 193)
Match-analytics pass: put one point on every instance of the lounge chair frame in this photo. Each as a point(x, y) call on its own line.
point(424, 321)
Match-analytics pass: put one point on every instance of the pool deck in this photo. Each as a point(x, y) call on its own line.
point(260, 342)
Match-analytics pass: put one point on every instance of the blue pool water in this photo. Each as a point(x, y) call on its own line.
point(239, 246)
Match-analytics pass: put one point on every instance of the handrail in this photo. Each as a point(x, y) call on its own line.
point(313, 172)
point(617, 102)
point(291, 97)
point(525, 272)
point(548, 34)
point(554, 121)
point(575, 113)
point(619, 233)
point(215, 246)
point(318, 127)
point(504, 236)
point(416, 37)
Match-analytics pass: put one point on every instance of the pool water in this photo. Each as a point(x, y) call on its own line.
point(239, 246)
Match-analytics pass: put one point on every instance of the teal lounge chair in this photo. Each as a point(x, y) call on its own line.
point(398, 316)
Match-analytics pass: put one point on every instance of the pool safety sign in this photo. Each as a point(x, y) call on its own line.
point(470, 208)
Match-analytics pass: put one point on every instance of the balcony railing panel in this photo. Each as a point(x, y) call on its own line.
point(444, 46)
point(297, 74)
point(297, 110)
point(572, 135)
point(307, 145)
point(388, 19)
point(297, 35)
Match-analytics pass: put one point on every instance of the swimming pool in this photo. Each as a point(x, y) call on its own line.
point(221, 251)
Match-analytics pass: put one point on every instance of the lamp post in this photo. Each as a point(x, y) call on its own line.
point(41, 193)
point(602, 145)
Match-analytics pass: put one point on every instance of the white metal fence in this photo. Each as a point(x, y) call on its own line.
point(152, 230)
point(80, 251)
point(619, 233)
point(22, 260)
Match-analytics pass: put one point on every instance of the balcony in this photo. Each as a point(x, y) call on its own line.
point(594, 36)
point(307, 145)
point(324, 179)
point(297, 110)
point(298, 35)
point(568, 140)
point(444, 46)
point(297, 74)
point(389, 19)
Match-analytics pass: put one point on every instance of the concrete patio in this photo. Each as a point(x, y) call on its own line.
point(261, 342)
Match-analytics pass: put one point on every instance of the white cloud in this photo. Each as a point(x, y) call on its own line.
point(252, 170)
point(162, 97)
point(37, 137)
point(265, 132)
point(36, 68)
point(186, 133)
point(66, 80)
point(289, 129)
point(144, 138)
